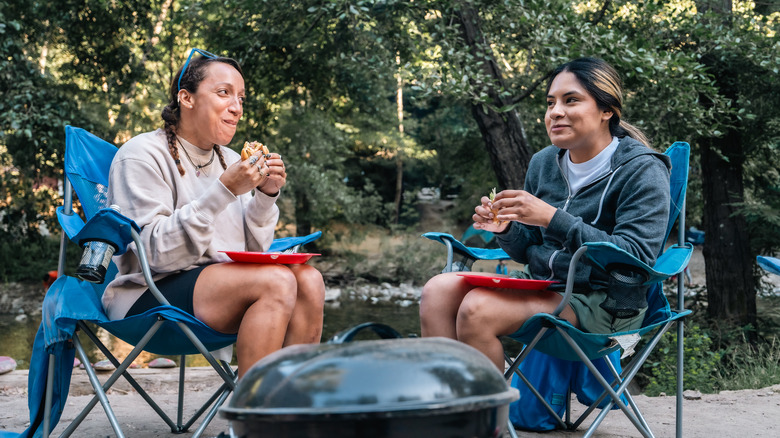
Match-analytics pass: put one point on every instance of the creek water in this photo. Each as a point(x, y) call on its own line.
point(16, 337)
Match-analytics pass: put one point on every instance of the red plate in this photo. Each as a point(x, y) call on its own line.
point(506, 282)
point(269, 257)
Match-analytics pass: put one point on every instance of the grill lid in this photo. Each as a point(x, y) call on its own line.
point(369, 379)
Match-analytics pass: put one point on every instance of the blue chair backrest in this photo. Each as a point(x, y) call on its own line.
point(658, 309)
point(679, 153)
point(87, 161)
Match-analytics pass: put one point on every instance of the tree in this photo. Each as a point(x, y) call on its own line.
point(744, 65)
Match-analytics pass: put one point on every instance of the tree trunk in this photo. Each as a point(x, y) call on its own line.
point(503, 133)
point(731, 287)
point(399, 162)
point(729, 261)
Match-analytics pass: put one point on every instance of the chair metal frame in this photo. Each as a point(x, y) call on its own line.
point(560, 328)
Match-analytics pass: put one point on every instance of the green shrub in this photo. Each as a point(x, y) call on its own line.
point(700, 363)
point(750, 367)
point(30, 259)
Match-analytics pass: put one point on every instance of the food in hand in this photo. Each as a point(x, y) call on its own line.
point(250, 147)
point(492, 196)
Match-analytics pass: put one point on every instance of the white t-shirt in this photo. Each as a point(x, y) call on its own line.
point(582, 174)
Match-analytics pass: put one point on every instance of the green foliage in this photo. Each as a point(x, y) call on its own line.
point(750, 367)
point(29, 260)
point(700, 365)
point(316, 150)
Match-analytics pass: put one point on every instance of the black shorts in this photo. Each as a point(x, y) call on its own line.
point(177, 289)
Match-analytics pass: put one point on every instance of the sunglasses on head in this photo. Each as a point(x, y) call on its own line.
point(187, 63)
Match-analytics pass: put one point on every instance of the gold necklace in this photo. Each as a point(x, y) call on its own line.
point(198, 167)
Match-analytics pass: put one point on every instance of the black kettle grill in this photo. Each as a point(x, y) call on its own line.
point(390, 388)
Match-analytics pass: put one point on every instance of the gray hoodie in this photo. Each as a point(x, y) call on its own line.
point(628, 206)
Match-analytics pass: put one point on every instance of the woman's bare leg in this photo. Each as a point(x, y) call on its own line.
point(486, 314)
point(305, 325)
point(439, 303)
point(254, 301)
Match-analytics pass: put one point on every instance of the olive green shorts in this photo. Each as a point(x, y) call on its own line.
point(593, 319)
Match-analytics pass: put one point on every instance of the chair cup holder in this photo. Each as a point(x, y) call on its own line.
point(627, 292)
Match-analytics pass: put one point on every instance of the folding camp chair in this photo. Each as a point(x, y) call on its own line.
point(556, 337)
point(770, 264)
point(71, 303)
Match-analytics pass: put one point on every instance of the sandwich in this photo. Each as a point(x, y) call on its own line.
point(492, 196)
point(250, 147)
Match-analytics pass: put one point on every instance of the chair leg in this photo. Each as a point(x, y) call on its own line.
point(49, 395)
point(212, 412)
point(680, 377)
point(608, 388)
point(511, 428)
point(99, 393)
point(180, 408)
point(122, 369)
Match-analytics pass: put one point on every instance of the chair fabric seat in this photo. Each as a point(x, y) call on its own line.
point(594, 345)
point(70, 300)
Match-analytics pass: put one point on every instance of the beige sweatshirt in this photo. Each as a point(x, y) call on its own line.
point(185, 220)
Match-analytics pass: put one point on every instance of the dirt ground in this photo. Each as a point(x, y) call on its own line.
point(750, 413)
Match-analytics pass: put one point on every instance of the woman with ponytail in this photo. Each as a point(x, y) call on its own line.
point(599, 181)
point(193, 198)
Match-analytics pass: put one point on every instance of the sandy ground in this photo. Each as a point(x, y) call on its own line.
point(750, 413)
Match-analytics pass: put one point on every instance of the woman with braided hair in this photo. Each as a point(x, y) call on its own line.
point(194, 198)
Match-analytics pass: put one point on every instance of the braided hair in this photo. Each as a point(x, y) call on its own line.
point(171, 114)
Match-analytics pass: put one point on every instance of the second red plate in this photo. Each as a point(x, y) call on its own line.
point(269, 257)
point(505, 282)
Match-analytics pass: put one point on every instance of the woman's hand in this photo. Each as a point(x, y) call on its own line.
point(275, 175)
point(513, 205)
point(523, 207)
point(484, 218)
point(264, 172)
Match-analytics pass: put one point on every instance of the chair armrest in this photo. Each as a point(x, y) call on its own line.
point(475, 253)
point(286, 243)
point(771, 264)
point(71, 223)
point(106, 225)
point(671, 262)
point(456, 246)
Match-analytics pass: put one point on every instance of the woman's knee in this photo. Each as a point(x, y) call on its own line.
point(435, 289)
point(275, 283)
point(475, 314)
point(311, 286)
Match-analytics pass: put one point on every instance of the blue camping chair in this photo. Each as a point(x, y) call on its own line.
point(548, 334)
point(71, 303)
point(770, 264)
